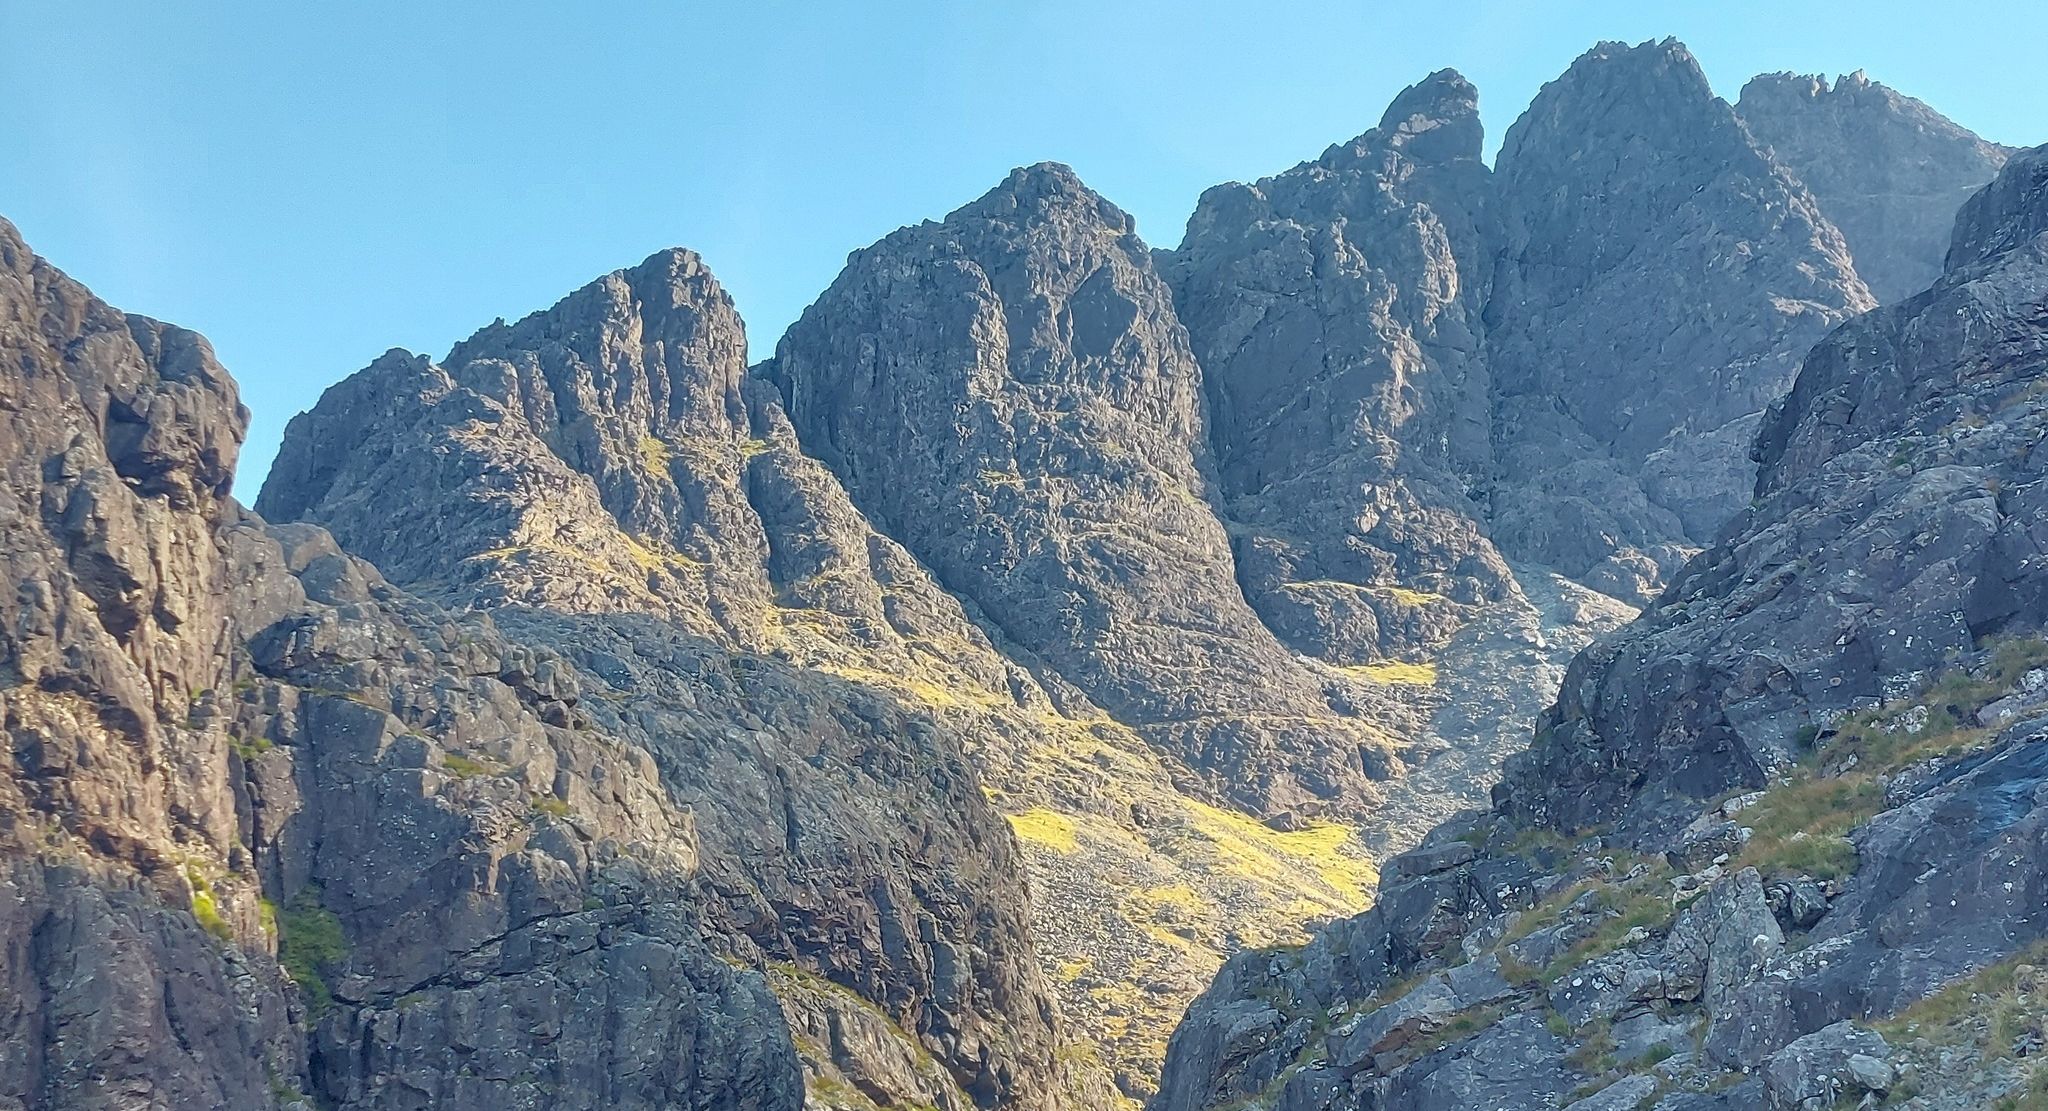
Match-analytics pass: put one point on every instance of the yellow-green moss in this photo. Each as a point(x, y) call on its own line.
point(1050, 828)
point(655, 456)
point(1395, 672)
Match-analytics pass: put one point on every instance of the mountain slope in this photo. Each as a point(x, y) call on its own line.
point(1624, 429)
point(1009, 393)
point(1889, 171)
point(1730, 869)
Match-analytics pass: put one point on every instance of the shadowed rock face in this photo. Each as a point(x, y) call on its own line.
point(1336, 312)
point(1806, 787)
point(601, 478)
point(1009, 393)
point(1898, 510)
point(1660, 280)
point(1889, 171)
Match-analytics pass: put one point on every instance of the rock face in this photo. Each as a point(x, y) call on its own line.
point(1010, 393)
point(1802, 793)
point(1889, 171)
point(597, 478)
point(1896, 522)
point(585, 719)
point(1335, 310)
point(1625, 434)
point(119, 437)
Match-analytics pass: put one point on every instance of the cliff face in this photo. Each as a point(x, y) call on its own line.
point(1335, 311)
point(1625, 430)
point(919, 718)
point(1889, 171)
point(597, 478)
point(1780, 839)
point(1010, 393)
point(119, 437)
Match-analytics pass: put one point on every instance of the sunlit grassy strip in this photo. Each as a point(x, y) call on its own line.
point(922, 690)
point(1951, 1016)
point(1404, 595)
point(1043, 826)
point(655, 455)
point(1253, 851)
point(1804, 824)
point(1394, 672)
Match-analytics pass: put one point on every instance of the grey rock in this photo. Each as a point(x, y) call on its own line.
point(1616, 454)
point(1889, 171)
point(1010, 394)
point(1625, 1094)
point(1335, 309)
point(1816, 1071)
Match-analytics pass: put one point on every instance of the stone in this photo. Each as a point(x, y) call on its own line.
point(1815, 1071)
point(1889, 171)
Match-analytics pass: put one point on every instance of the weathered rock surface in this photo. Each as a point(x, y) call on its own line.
point(1335, 311)
point(1823, 682)
point(1888, 171)
point(1898, 519)
point(1010, 394)
point(209, 768)
point(118, 436)
point(609, 490)
point(1624, 431)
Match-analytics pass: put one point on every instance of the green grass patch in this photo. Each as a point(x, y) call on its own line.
point(463, 767)
point(310, 943)
point(1804, 824)
point(205, 907)
point(550, 805)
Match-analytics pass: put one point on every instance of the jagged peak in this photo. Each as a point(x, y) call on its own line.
point(1435, 119)
point(1659, 64)
point(1653, 92)
point(1042, 189)
point(673, 277)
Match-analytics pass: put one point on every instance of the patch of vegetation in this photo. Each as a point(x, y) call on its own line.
point(550, 805)
point(1594, 1054)
point(1641, 903)
point(1042, 826)
point(205, 907)
point(655, 456)
point(1253, 848)
point(310, 943)
point(249, 749)
point(1395, 672)
point(1407, 597)
point(1989, 1007)
point(1803, 824)
point(464, 767)
point(751, 448)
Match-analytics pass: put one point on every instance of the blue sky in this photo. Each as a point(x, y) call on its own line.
point(311, 184)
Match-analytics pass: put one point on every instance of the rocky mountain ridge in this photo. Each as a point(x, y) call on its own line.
point(929, 708)
point(1779, 840)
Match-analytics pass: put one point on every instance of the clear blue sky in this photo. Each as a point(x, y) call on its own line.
point(310, 184)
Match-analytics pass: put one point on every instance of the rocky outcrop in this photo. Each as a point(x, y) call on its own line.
point(1889, 171)
point(118, 437)
point(274, 828)
point(1010, 394)
point(1335, 310)
point(1897, 519)
point(598, 477)
point(1622, 431)
point(1744, 839)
